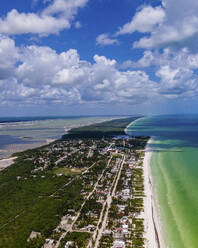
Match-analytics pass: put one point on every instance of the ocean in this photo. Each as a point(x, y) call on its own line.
point(174, 167)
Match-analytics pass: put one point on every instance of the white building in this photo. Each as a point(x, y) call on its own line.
point(119, 244)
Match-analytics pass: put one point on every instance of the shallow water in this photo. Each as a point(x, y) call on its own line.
point(18, 134)
point(174, 166)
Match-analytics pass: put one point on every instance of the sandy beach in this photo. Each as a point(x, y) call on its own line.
point(13, 148)
point(7, 151)
point(4, 163)
point(153, 233)
point(138, 119)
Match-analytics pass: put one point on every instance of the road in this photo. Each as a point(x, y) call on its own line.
point(108, 202)
point(78, 213)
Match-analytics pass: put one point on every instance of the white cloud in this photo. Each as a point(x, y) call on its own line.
point(146, 61)
point(67, 8)
point(179, 27)
point(144, 20)
point(105, 40)
point(175, 58)
point(102, 60)
point(174, 23)
point(176, 70)
point(21, 23)
point(40, 75)
point(8, 57)
point(55, 17)
point(69, 76)
point(177, 82)
point(60, 70)
point(78, 24)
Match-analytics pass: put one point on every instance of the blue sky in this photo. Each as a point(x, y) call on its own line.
point(63, 57)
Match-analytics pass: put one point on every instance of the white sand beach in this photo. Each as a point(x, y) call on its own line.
point(130, 124)
point(153, 234)
point(4, 163)
point(10, 149)
point(6, 152)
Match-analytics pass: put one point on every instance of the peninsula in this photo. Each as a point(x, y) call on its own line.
point(85, 190)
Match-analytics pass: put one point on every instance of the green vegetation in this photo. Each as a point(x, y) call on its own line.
point(106, 242)
point(104, 129)
point(117, 156)
point(137, 235)
point(68, 171)
point(27, 205)
point(36, 201)
point(35, 243)
point(47, 183)
point(80, 239)
point(90, 212)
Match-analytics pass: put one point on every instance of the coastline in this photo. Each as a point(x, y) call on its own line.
point(153, 233)
point(125, 130)
point(9, 150)
point(6, 154)
point(4, 163)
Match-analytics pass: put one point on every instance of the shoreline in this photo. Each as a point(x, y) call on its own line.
point(153, 232)
point(139, 118)
point(6, 154)
point(4, 163)
point(11, 149)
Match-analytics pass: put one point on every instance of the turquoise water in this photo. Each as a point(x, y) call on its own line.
point(174, 166)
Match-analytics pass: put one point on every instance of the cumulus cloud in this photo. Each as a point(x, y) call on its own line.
point(179, 26)
point(146, 61)
point(144, 20)
point(175, 58)
point(41, 75)
point(67, 8)
point(105, 40)
point(173, 23)
point(177, 82)
point(57, 16)
point(8, 57)
point(176, 70)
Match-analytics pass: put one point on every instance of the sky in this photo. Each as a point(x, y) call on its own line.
point(98, 57)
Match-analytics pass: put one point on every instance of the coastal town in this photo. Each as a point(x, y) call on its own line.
point(99, 124)
point(83, 192)
point(112, 192)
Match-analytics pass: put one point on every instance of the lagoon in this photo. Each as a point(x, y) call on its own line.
point(18, 134)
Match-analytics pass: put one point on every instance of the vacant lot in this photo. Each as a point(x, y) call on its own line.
point(68, 171)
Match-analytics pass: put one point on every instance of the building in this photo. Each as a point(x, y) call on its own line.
point(69, 244)
point(119, 244)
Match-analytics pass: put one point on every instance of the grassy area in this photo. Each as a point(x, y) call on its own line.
point(117, 155)
point(68, 171)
